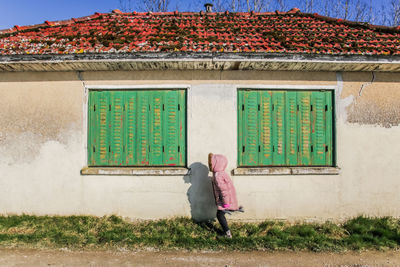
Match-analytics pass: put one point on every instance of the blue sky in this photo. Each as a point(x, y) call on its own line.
point(28, 12)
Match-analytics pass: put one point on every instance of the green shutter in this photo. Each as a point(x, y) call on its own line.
point(171, 127)
point(92, 145)
point(278, 128)
point(322, 135)
point(143, 144)
point(265, 122)
point(117, 117)
point(291, 128)
point(329, 128)
point(131, 127)
point(104, 128)
point(304, 128)
point(318, 133)
point(137, 128)
point(156, 138)
point(106, 136)
point(182, 128)
point(98, 137)
point(250, 148)
point(240, 123)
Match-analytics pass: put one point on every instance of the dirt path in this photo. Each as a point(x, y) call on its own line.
point(31, 257)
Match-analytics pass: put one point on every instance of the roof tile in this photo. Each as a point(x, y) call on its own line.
point(274, 32)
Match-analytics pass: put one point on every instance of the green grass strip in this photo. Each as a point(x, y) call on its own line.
point(360, 233)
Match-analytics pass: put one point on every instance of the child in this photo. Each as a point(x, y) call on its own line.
point(224, 191)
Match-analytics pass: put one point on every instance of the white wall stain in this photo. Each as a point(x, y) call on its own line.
point(25, 146)
point(43, 185)
point(342, 104)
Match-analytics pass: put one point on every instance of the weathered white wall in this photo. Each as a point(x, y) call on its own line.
point(42, 149)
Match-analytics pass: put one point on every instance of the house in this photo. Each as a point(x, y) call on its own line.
point(116, 113)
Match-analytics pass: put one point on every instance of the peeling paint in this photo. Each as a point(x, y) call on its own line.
point(25, 146)
point(193, 64)
point(376, 102)
point(287, 171)
point(151, 171)
point(370, 112)
point(33, 113)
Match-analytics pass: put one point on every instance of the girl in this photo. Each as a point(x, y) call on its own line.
point(224, 191)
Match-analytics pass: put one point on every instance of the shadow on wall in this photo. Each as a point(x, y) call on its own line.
point(200, 193)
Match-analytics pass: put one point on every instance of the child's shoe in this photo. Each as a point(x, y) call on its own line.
point(228, 234)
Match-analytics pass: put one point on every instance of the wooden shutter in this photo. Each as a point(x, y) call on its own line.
point(250, 133)
point(143, 144)
point(156, 131)
point(321, 128)
point(278, 128)
point(99, 121)
point(155, 134)
point(182, 128)
point(171, 128)
point(92, 145)
point(116, 131)
point(292, 128)
point(304, 124)
point(131, 127)
point(329, 128)
point(291, 113)
point(318, 132)
point(137, 128)
point(265, 129)
point(240, 124)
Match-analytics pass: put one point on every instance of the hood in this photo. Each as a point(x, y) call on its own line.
point(218, 163)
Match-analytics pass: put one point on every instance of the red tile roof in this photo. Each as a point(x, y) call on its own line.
point(277, 32)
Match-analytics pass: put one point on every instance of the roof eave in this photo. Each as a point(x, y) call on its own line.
point(199, 61)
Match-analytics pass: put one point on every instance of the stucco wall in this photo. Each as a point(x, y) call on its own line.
point(42, 149)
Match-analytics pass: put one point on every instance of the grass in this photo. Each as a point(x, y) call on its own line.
point(79, 232)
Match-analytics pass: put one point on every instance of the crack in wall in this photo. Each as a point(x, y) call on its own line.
point(367, 84)
point(377, 103)
point(80, 77)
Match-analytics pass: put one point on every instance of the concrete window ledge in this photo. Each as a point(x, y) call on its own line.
point(150, 171)
point(287, 171)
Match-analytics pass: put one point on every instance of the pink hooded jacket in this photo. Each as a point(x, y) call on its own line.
point(224, 191)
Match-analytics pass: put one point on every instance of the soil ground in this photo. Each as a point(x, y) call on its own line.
point(63, 257)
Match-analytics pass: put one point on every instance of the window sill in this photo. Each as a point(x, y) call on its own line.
point(286, 171)
point(148, 171)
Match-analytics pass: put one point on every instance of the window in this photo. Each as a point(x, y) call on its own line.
point(285, 128)
point(137, 128)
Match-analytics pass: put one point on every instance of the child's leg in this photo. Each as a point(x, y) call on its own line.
point(222, 220)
